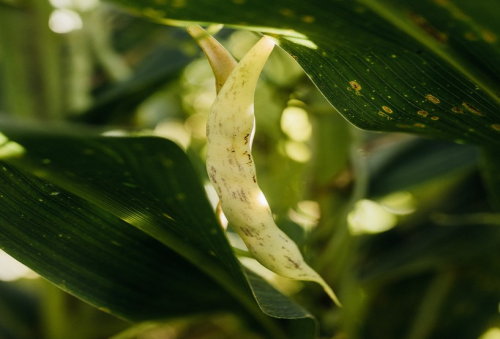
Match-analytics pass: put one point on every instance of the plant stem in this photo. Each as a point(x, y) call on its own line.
point(32, 61)
point(430, 307)
point(54, 312)
point(100, 39)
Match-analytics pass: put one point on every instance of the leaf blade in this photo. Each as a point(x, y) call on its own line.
point(378, 72)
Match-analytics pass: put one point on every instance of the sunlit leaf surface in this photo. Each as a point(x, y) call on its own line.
point(426, 67)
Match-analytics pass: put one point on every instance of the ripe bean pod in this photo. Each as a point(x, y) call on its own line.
point(231, 169)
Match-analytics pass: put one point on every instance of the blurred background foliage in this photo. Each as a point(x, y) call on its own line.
point(402, 227)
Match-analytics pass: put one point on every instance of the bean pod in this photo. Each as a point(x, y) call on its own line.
point(231, 169)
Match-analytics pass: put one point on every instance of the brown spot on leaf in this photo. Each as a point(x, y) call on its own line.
point(496, 127)
point(432, 31)
point(355, 85)
point(423, 113)
point(472, 109)
point(457, 110)
point(432, 99)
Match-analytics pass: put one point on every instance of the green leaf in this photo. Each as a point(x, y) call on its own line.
point(491, 173)
point(276, 305)
point(421, 67)
point(92, 254)
point(408, 163)
point(108, 185)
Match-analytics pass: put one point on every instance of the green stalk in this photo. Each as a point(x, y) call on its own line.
point(31, 61)
point(79, 71)
point(14, 61)
point(54, 313)
point(339, 180)
point(431, 305)
point(100, 40)
point(48, 62)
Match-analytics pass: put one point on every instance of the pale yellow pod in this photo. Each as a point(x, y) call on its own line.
point(221, 61)
point(231, 170)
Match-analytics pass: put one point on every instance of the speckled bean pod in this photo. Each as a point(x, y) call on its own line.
point(231, 169)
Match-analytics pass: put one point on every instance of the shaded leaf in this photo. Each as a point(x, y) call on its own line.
point(92, 254)
point(144, 182)
point(276, 305)
point(408, 163)
point(491, 173)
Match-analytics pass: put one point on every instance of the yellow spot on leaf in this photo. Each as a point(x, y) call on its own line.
point(180, 197)
point(457, 110)
point(355, 85)
point(387, 109)
point(287, 12)
point(432, 99)
point(419, 125)
point(179, 3)
point(496, 127)
point(472, 109)
point(423, 113)
point(488, 36)
point(382, 114)
point(434, 118)
point(471, 36)
point(308, 19)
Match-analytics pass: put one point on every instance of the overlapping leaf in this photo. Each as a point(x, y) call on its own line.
point(96, 256)
point(423, 67)
point(127, 228)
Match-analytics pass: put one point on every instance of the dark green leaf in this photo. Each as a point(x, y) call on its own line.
point(276, 305)
point(92, 254)
point(143, 182)
point(385, 65)
point(408, 163)
point(491, 173)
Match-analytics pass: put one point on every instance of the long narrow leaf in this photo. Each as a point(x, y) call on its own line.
point(143, 182)
point(421, 67)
